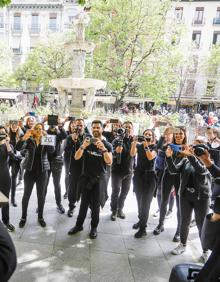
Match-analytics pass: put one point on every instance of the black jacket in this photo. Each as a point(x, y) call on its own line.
point(201, 176)
point(29, 148)
point(8, 259)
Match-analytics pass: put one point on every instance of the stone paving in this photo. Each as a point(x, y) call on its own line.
point(49, 254)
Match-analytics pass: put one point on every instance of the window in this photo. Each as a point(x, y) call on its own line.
point(53, 21)
point(199, 13)
point(218, 13)
point(210, 88)
point(1, 20)
point(196, 37)
point(216, 37)
point(34, 22)
point(17, 21)
point(179, 13)
point(190, 87)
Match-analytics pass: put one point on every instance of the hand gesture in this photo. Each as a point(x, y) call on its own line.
point(169, 152)
point(187, 150)
point(100, 145)
point(119, 149)
point(86, 143)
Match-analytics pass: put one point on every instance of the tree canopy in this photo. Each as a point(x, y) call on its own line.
point(132, 46)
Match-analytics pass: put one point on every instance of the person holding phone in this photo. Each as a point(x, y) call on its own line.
point(36, 167)
point(195, 192)
point(73, 142)
point(170, 180)
point(96, 156)
point(144, 180)
point(15, 134)
point(6, 153)
point(56, 162)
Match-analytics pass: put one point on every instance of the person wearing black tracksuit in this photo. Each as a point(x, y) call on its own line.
point(15, 135)
point(6, 153)
point(144, 180)
point(195, 192)
point(73, 143)
point(56, 164)
point(36, 167)
point(121, 172)
point(168, 181)
point(165, 139)
point(67, 156)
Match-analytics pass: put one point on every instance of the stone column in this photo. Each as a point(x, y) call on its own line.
point(76, 106)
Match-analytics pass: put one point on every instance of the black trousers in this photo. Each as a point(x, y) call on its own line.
point(72, 191)
point(30, 178)
point(5, 189)
point(189, 202)
point(67, 173)
point(168, 181)
point(159, 175)
point(15, 168)
point(144, 188)
point(89, 198)
point(120, 187)
point(56, 175)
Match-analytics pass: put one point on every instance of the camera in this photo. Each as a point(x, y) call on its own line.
point(199, 149)
point(91, 139)
point(2, 136)
point(141, 138)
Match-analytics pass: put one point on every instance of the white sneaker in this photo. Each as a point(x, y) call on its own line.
point(179, 250)
point(204, 257)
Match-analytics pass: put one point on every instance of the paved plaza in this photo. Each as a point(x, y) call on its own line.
point(51, 255)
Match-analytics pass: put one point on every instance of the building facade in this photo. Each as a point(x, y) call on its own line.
point(25, 22)
point(201, 25)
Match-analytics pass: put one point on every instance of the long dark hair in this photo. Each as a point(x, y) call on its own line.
point(183, 129)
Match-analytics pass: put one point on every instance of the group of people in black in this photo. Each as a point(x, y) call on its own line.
point(90, 158)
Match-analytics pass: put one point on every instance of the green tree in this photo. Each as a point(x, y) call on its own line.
point(6, 76)
point(132, 46)
point(4, 3)
point(45, 62)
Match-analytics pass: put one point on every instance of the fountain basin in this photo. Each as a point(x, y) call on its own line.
point(78, 83)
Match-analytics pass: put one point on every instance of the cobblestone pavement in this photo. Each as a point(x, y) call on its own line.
point(49, 254)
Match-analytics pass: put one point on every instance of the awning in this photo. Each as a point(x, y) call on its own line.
point(10, 95)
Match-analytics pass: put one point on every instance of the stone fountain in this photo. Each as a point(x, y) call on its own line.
point(77, 85)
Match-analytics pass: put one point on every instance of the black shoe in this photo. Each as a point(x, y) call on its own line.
point(14, 204)
point(176, 238)
point(22, 222)
point(158, 230)
point(10, 227)
point(42, 222)
point(93, 233)
point(136, 225)
point(113, 216)
point(60, 209)
point(70, 213)
point(65, 196)
point(120, 214)
point(140, 233)
point(75, 230)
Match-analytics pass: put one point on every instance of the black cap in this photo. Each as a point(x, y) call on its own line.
point(216, 207)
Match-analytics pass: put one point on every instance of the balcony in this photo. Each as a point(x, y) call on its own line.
point(198, 22)
point(53, 28)
point(34, 30)
point(216, 21)
point(16, 29)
